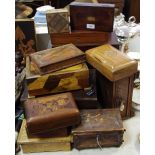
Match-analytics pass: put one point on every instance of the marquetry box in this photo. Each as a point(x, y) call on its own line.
point(58, 58)
point(92, 16)
point(25, 36)
point(98, 128)
point(34, 145)
point(57, 21)
point(72, 78)
point(114, 77)
point(49, 113)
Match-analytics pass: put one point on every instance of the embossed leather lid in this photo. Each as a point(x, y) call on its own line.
point(111, 62)
point(48, 113)
point(99, 120)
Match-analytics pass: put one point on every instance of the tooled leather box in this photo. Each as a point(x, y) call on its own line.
point(45, 114)
point(98, 128)
point(92, 16)
point(34, 145)
point(58, 58)
point(57, 21)
point(114, 76)
point(71, 78)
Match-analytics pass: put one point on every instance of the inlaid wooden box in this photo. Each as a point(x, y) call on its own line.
point(49, 113)
point(115, 77)
point(25, 38)
point(58, 58)
point(92, 16)
point(72, 78)
point(34, 145)
point(58, 21)
point(98, 128)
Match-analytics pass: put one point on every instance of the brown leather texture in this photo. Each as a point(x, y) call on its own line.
point(44, 114)
point(112, 63)
point(116, 94)
point(71, 78)
point(57, 21)
point(49, 60)
point(102, 125)
point(92, 16)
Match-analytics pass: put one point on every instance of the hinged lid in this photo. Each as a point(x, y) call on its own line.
point(111, 63)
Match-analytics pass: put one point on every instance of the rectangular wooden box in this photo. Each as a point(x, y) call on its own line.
point(119, 4)
point(84, 40)
point(98, 128)
point(72, 78)
point(45, 114)
point(92, 16)
point(58, 21)
point(34, 145)
point(115, 77)
point(25, 39)
point(58, 58)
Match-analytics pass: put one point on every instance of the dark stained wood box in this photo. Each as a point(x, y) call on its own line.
point(71, 78)
point(92, 16)
point(48, 113)
point(119, 5)
point(84, 40)
point(115, 78)
point(98, 128)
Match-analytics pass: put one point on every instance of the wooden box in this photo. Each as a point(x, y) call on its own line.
point(119, 5)
point(34, 145)
point(87, 98)
point(72, 78)
point(115, 77)
point(58, 58)
point(92, 16)
point(84, 40)
point(98, 128)
point(57, 21)
point(25, 39)
point(45, 114)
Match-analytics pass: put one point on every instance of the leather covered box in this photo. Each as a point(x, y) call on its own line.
point(98, 128)
point(92, 16)
point(34, 145)
point(57, 21)
point(71, 78)
point(119, 5)
point(115, 77)
point(25, 38)
point(45, 114)
point(84, 40)
point(58, 58)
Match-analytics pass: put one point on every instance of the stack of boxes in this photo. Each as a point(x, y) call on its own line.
point(60, 84)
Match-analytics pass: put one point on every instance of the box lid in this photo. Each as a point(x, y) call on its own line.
point(44, 114)
point(24, 139)
point(99, 120)
point(111, 63)
point(54, 55)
